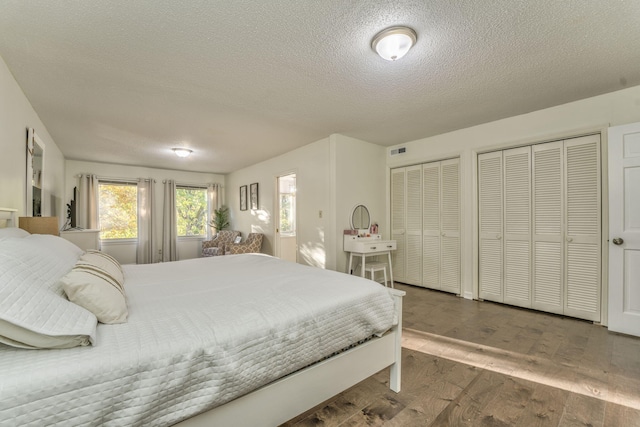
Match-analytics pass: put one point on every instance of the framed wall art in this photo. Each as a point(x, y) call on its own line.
point(243, 197)
point(254, 196)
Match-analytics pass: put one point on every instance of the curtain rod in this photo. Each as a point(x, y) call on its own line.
point(194, 185)
point(124, 180)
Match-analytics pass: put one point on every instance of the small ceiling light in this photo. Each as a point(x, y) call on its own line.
point(182, 152)
point(394, 43)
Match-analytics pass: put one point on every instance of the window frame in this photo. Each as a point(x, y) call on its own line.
point(205, 188)
point(121, 182)
point(293, 200)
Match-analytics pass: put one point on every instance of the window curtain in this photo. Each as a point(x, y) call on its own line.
point(169, 223)
point(214, 201)
point(146, 223)
point(87, 214)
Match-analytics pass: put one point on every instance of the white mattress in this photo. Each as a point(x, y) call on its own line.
point(200, 333)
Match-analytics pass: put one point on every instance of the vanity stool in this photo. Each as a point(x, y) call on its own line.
point(373, 267)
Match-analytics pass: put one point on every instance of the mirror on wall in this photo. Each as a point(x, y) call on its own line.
point(360, 219)
point(35, 197)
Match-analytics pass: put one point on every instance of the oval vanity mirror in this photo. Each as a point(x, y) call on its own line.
point(360, 219)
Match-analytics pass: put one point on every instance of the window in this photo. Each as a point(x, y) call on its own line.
point(192, 211)
point(118, 210)
point(288, 213)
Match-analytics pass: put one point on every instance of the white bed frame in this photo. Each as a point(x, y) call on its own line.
point(294, 394)
point(284, 399)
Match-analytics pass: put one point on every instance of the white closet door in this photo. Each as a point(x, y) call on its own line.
point(548, 206)
point(490, 224)
point(450, 225)
point(517, 226)
point(398, 224)
point(413, 272)
point(582, 212)
point(431, 225)
point(624, 229)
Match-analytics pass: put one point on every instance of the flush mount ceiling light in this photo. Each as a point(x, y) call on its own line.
point(394, 43)
point(182, 152)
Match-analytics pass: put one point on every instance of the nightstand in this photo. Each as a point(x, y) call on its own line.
point(84, 239)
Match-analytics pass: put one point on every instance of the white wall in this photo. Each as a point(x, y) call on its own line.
point(16, 115)
point(311, 165)
point(359, 179)
point(126, 252)
point(575, 118)
point(333, 175)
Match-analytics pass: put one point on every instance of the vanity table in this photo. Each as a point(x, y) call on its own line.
point(363, 243)
point(371, 245)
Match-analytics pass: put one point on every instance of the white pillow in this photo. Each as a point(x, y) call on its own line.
point(62, 248)
point(33, 310)
point(58, 248)
point(95, 288)
point(7, 232)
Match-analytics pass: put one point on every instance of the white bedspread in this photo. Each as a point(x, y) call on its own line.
point(200, 333)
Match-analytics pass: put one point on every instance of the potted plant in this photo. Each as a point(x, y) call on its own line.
point(220, 219)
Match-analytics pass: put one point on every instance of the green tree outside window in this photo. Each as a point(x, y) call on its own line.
point(118, 210)
point(191, 207)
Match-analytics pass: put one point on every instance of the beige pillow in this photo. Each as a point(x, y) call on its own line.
point(94, 288)
point(105, 262)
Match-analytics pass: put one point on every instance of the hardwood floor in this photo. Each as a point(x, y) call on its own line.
point(470, 363)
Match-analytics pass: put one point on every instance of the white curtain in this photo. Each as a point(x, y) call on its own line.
point(87, 214)
point(214, 201)
point(169, 223)
point(146, 222)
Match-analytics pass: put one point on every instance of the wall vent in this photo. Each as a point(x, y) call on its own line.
point(397, 151)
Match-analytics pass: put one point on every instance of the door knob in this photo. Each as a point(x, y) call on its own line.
point(569, 239)
point(498, 236)
point(618, 241)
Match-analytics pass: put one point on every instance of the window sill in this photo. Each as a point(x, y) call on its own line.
point(191, 238)
point(114, 242)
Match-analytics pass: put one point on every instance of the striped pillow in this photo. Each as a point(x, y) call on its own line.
point(106, 262)
point(96, 284)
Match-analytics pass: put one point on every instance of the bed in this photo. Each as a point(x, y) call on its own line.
point(238, 340)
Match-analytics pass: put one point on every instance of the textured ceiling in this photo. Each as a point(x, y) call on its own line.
point(242, 81)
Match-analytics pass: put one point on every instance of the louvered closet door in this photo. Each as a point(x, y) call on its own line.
point(490, 224)
point(548, 207)
point(398, 210)
point(431, 225)
point(582, 210)
point(517, 226)
point(413, 234)
point(450, 225)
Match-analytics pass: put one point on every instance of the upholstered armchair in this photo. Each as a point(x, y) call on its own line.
point(216, 245)
point(251, 245)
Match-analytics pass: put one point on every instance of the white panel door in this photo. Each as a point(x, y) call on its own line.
point(517, 226)
point(450, 225)
point(398, 223)
point(431, 225)
point(624, 229)
point(582, 230)
point(548, 236)
point(413, 251)
point(490, 224)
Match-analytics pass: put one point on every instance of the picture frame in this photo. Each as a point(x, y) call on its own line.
point(254, 196)
point(243, 197)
